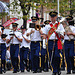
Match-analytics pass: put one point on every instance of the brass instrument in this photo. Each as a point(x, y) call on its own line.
point(67, 28)
point(37, 27)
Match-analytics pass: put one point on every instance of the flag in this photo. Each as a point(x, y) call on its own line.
point(10, 21)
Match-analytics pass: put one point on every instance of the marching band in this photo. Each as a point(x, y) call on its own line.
point(40, 47)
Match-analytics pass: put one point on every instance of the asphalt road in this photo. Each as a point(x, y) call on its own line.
point(30, 73)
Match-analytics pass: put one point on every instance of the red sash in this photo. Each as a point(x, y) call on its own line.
point(53, 28)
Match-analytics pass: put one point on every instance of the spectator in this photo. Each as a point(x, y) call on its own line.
point(8, 60)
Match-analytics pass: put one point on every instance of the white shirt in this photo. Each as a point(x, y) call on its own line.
point(47, 28)
point(24, 42)
point(2, 41)
point(14, 40)
point(7, 31)
point(7, 54)
point(73, 30)
point(36, 36)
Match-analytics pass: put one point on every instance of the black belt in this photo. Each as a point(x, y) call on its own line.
point(2, 43)
point(53, 40)
point(25, 47)
point(69, 40)
point(14, 44)
point(35, 41)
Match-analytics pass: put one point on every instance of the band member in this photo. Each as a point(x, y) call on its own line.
point(3, 49)
point(24, 49)
point(69, 44)
point(35, 45)
point(14, 38)
point(47, 22)
point(44, 57)
point(54, 32)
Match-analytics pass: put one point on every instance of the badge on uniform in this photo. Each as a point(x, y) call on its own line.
point(32, 25)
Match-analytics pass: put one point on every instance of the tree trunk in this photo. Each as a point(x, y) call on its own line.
point(41, 11)
point(24, 19)
point(25, 22)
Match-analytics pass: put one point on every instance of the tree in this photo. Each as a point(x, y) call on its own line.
point(67, 6)
point(25, 7)
point(48, 4)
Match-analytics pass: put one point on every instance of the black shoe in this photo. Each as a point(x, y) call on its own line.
point(14, 71)
point(53, 73)
point(59, 73)
point(18, 70)
point(34, 71)
point(4, 71)
point(1, 72)
point(45, 70)
point(22, 70)
point(39, 71)
point(28, 70)
point(68, 73)
point(73, 71)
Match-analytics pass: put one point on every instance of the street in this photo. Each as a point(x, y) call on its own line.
point(30, 73)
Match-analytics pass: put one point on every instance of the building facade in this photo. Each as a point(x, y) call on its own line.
point(5, 18)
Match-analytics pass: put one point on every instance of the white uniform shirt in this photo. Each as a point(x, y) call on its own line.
point(2, 41)
point(47, 28)
point(15, 40)
point(7, 31)
point(24, 42)
point(8, 54)
point(73, 30)
point(36, 36)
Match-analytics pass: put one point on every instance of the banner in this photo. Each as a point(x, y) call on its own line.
point(12, 20)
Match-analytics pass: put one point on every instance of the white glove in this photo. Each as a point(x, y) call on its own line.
point(0, 30)
point(44, 43)
point(60, 32)
point(57, 31)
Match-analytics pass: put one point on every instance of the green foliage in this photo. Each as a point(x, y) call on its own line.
point(49, 4)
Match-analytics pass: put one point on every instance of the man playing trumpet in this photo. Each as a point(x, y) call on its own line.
point(35, 44)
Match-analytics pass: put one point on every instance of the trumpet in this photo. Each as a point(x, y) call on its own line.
point(37, 27)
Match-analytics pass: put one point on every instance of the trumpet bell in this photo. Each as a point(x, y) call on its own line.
point(37, 27)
